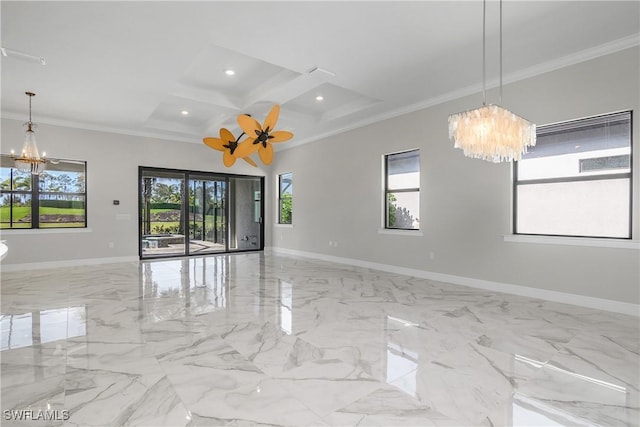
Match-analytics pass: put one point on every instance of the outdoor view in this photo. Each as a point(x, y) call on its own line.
point(56, 198)
point(403, 190)
point(576, 180)
point(186, 213)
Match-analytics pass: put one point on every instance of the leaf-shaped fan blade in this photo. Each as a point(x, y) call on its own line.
point(249, 125)
point(226, 136)
point(246, 148)
point(272, 118)
point(215, 143)
point(250, 161)
point(228, 159)
point(266, 154)
point(280, 136)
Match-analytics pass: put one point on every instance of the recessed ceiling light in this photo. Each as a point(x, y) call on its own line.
point(229, 72)
point(319, 98)
point(184, 112)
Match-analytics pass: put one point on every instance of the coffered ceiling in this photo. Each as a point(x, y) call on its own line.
point(134, 67)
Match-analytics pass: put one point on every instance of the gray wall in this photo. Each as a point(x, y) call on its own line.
point(465, 203)
point(112, 173)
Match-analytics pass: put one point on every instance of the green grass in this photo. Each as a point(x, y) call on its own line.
point(60, 211)
point(20, 212)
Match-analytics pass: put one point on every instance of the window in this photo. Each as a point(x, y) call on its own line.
point(402, 190)
point(576, 181)
point(54, 199)
point(285, 198)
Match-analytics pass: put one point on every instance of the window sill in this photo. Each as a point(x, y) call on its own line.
point(414, 233)
point(574, 241)
point(17, 231)
point(278, 225)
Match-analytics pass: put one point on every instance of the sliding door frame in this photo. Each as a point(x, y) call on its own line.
point(186, 174)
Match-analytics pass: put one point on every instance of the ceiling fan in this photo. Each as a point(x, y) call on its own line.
point(258, 138)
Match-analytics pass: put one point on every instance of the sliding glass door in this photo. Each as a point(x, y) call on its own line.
point(162, 213)
point(193, 213)
point(207, 215)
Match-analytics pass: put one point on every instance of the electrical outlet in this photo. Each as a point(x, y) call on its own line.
point(111, 245)
point(432, 255)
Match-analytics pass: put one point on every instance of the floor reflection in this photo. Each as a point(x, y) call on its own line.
point(285, 306)
point(402, 362)
point(191, 286)
point(40, 327)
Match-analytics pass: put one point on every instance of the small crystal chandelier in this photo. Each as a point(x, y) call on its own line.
point(30, 160)
point(491, 132)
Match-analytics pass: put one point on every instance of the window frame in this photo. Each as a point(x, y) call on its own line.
point(386, 190)
point(35, 193)
point(623, 175)
point(281, 199)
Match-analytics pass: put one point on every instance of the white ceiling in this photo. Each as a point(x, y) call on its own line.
point(132, 67)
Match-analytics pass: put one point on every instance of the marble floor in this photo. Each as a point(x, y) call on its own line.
point(255, 339)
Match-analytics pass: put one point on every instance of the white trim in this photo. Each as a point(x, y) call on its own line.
point(573, 241)
point(25, 231)
point(562, 297)
point(278, 225)
point(398, 232)
point(66, 263)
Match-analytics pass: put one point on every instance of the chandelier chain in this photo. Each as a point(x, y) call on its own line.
point(484, 52)
point(501, 52)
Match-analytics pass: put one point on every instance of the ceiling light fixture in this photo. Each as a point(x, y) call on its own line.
point(319, 98)
point(229, 72)
point(30, 160)
point(491, 132)
point(184, 112)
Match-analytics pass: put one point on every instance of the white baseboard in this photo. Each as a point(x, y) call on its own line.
point(562, 297)
point(65, 263)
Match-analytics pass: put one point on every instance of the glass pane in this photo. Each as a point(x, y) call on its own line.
point(21, 180)
point(5, 178)
point(5, 210)
point(286, 198)
point(286, 184)
point(62, 210)
point(403, 170)
point(403, 210)
point(207, 223)
point(15, 211)
point(62, 181)
point(162, 215)
point(585, 208)
point(286, 211)
point(594, 146)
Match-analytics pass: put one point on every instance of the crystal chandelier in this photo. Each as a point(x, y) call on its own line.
point(491, 132)
point(30, 160)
